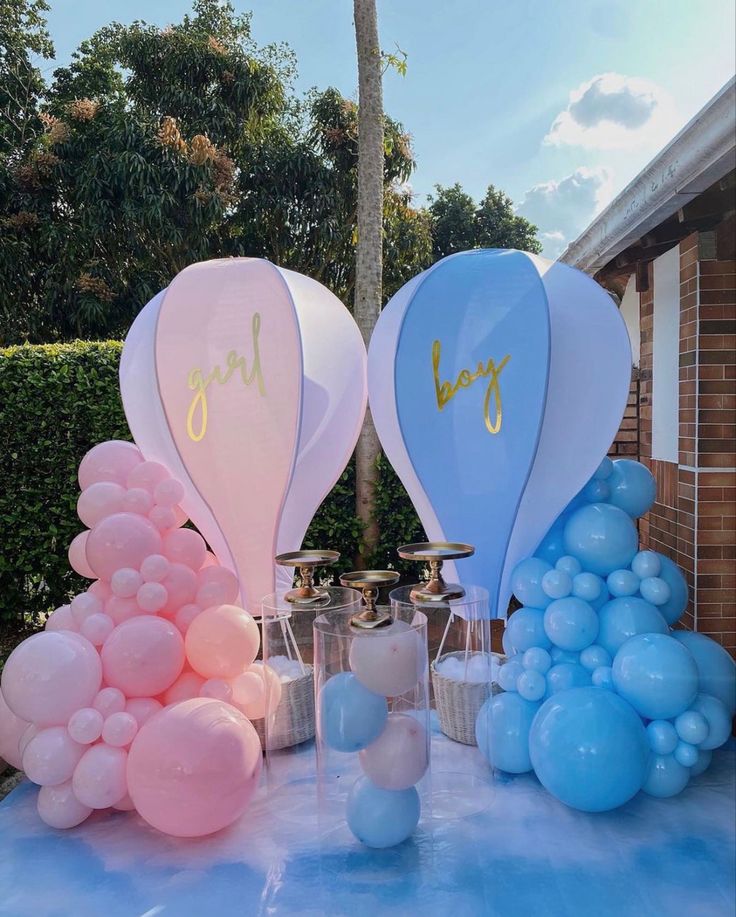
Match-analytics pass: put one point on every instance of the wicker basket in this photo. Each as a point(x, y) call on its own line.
point(458, 702)
point(294, 719)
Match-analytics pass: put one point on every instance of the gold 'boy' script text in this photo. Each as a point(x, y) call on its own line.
point(446, 391)
point(199, 383)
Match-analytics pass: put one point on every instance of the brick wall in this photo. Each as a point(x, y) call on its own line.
point(626, 443)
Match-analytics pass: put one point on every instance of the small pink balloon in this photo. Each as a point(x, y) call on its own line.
point(184, 617)
point(49, 676)
point(78, 556)
point(142, 708)
point(59, 808)
point(399, 757)
point(180, 517)
point(101, 589)
point(61, 619)
point(168, 493)
point(122, 609)
point(184, 546)
point(109, 701)
point(181, 585)
point(194, 767)
point(109, 461)
point(99, 779)
point(152, 597)
point(222, 642)
point(119, 729)
point(126, 582)
point(85, 726)
point(121, 540)
point(137, 500)
point(126, 804)
point(154, 568)
point(163, 517)
point(143, 656)
point(51, 756)
point(99, 501)
point(186, 686)
point(147, 475)
point(97, 628)
point(12, 728)
point(210, 560)
point(84, 605)
point(217, 689)
point(257, 691)
point(217, 586)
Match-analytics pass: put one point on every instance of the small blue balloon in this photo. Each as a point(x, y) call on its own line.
point(351, 716)
point(602, 677)
point(633, 488)
point(703, 762)
point(718, 717)
point(551, 547)
point(571, 623)
point(502, 732)
point(589, 749)
point(557, 584)
point(558, 655)
point(626, 617)
point(692, 727)
point(525, 628)
point(665, 776)
point(509, 674)
point(602, 599)
point(570, 565)
point(656, 675)
point(537, 659)
point(566, 675)
point(526, 582)
point(655, 590)
point(673, 608)
point(602, 537)
point(622, 582)
point(686, 754)
point(646, 563)
point(531, 685)
point(603, 471)
point(596, 491)
point(382, 818)
point(662, 737)
point(594, 656)
point(716, 667)
point(587, 586)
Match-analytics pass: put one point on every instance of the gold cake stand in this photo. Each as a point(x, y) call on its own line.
point(307, 594)
point(435, 553)
point(369, 582)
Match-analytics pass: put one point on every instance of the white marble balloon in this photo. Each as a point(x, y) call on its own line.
point(398, 758)
point(389, 660)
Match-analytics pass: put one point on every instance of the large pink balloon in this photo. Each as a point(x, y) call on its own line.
point(78, 556)
point(222, 642)
point(143, 656)
point(49, 676)
point(100, 500)
point(183, 546)
point(193, 767)
point(109, 461)
point(229, 369)
point(12, 728)
point(121, 540)
point(51, 756)
point(99, 779)
point(60, 808)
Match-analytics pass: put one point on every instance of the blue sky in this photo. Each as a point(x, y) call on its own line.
point(558, 102)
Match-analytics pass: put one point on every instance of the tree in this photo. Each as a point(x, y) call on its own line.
point(369, 250)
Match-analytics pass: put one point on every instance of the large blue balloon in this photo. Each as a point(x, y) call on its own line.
point(602, 537)
point(502, 732)
point(526, 582)
point(633, 488)
point(665, 776)
point(656, 675)
point(570, 623)
point(551, 547)
point(718, 717)
point(626, 617)
point(524, 629)
point(350, 716)
point(673, 608)
point(589, 749)
point(716, 668)
point(382, 818)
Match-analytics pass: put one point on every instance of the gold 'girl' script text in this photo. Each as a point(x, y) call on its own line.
point(233, 363)
point(446, 391)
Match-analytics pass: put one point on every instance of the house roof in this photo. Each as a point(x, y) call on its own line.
point(701, 154)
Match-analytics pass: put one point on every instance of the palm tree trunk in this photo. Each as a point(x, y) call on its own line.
point(369, 253)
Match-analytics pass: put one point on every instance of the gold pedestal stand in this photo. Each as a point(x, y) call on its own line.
point(369, 582)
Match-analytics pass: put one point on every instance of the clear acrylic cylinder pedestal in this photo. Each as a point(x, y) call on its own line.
point(461, 671)
point(288, 727)
point(373, 738)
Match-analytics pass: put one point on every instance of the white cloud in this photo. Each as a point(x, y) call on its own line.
point(612, 111)
point(562, 209)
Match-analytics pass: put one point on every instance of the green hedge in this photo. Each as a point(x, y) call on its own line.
point(59, 400)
